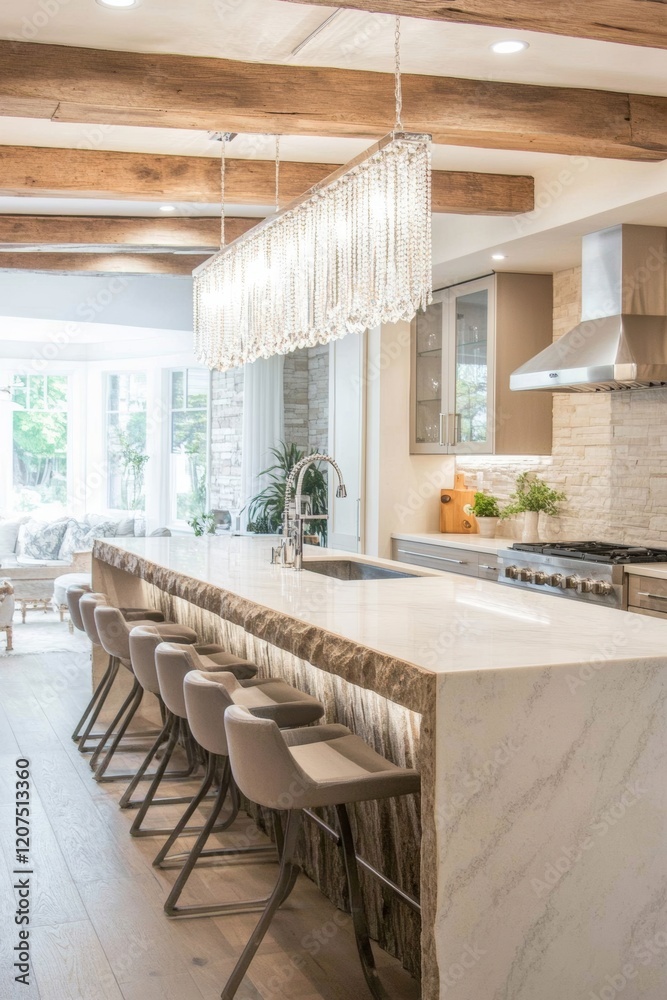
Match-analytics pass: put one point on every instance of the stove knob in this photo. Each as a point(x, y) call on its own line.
point(541, 578)
point(512, 572)
point(556, 580)
point(602, 587)
point(526, 575)
point(572, 582)
point(586, 587)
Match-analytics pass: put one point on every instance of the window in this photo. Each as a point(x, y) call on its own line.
point(189, 390)
point(40, 442)
point(126, 440)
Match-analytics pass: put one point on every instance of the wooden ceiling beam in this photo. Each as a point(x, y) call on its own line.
point(132, 88)
point(114, 263)
point(56, 172)
point(631, 22)
point(109, 234)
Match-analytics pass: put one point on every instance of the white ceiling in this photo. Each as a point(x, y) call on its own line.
point(268, 31)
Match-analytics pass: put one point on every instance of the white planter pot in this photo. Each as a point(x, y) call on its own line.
point(531, 526)
point(487, 526)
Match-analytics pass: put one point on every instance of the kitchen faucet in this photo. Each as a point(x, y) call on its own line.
point(291, 549)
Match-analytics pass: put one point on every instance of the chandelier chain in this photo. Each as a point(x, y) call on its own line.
point(398, 87)
point(277, 173)
point(222, 192)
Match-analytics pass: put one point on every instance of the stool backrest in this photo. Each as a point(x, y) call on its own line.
point(206, 698)
point(262, 765)
point(114, 631)
point(172, 663)
point(144, 640)
point(74, 594)
point(87, 605)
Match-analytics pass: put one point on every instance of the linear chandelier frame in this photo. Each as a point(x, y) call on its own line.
point(350, 253)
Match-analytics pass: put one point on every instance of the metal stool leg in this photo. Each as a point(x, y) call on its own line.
point(76, 735)
point(357, 906)
point(189, 812)
point(88, 734)
point(111, 730)
point(289, 871)
point(136, 697)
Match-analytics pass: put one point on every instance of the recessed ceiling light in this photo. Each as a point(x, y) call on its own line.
point(118, 3)
point(167, 208)
point(498, 256)
point(509, 47)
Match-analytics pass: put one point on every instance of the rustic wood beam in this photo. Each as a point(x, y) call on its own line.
point(111, 234)
point(632, 22)
point(132, 88)
point(49, 172)
point(91, 263)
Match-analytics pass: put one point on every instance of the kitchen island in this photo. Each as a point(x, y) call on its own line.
point(538, 724)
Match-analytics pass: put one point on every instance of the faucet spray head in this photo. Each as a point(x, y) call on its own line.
point(341, 491)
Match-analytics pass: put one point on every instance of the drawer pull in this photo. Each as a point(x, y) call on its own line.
point(425, 555)
point(484, 566)
point(655, 597)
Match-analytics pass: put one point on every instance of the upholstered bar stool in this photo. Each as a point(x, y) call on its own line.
point(172, 663)
point(206, 696)
point(82, 604)
point(144, 640)
point(114, 632)
point(301, 770)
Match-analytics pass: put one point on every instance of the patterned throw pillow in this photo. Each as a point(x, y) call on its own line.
point(80, 535)
point(41, 540)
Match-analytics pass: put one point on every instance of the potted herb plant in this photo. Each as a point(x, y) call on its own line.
point(487, 513)
point(531, 498)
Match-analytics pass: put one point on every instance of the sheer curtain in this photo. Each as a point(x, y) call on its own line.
point(263, 422)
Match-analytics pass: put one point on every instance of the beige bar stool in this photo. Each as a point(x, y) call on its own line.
point(82, 606)
point(206, 695)
point(172, 663)
point(114, 632)
point(144, 640)
point(301, 770)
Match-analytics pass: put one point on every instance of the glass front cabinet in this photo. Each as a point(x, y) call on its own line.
point(464, 347)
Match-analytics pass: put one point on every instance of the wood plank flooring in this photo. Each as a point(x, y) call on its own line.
point(98, 930)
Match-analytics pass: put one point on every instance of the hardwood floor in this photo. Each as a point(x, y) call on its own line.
point(98, 931)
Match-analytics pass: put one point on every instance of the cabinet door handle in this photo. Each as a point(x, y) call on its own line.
point(442, 428)
point(456, 437)
point(655, 597)
point(425, 555)
point(483, 566)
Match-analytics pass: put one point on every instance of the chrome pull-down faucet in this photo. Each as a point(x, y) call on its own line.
point(294, 520)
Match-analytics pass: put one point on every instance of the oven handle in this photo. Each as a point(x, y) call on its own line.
point(425, 555)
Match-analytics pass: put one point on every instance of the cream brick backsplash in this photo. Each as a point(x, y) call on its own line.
point(609, 453)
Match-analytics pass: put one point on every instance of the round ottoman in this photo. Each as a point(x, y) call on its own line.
point(60, 585)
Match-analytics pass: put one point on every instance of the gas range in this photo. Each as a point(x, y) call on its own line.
point(590, 571)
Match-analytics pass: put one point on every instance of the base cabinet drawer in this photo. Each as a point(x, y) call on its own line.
point(649, 614)
point(446, 559)
point(647, 593)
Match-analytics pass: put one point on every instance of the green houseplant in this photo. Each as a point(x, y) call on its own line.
point(486, 510)
point(532, 497)
point(203, 524)
point(265, 510)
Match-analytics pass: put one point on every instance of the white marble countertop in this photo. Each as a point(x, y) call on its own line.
point(442, 622)
point(463, 541)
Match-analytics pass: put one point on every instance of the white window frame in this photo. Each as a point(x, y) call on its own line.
point(172, 520)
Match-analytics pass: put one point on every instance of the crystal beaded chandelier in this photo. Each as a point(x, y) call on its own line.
point(350, 254)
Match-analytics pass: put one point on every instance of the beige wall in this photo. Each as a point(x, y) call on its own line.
point(402, 490)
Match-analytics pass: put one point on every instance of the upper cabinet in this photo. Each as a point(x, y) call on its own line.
point(464, 347)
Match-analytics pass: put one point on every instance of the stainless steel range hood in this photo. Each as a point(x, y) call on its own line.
point(621, 342)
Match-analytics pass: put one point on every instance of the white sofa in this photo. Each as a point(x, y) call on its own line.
point(33, 554)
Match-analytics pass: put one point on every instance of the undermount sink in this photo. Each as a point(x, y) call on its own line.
point(350, 569)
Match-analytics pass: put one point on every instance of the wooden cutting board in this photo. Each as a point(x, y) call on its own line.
point(453, 519)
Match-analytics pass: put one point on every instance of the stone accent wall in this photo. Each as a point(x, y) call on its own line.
point(318, 398)
point(226, 437)
point(306, 386)
point(609, 453)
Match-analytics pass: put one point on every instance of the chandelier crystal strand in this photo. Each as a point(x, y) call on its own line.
point(222, 191)
point(277, 173)
point(398, 86)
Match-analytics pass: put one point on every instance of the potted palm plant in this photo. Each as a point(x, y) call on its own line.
point(531, 498)
point(486, 510)
point(265, 510)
